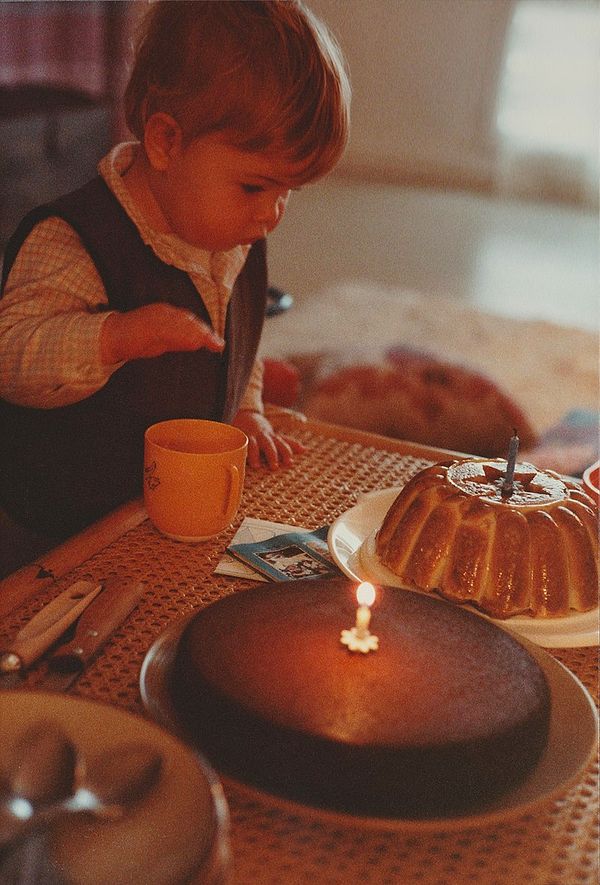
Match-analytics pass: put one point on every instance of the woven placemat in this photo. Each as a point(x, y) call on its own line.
point(271, 845)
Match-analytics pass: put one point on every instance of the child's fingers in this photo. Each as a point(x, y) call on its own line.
point(186, 332)
point(294, 444)
point(253, 453)
point(285, 452)
point(269, 450)
point(277, 451)
point(261, 445)
point(153, 330)
point(264, 443)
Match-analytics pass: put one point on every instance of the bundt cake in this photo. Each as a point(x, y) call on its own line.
point(535, 552)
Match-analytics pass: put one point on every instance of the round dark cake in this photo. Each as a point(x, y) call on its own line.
point(448, 714)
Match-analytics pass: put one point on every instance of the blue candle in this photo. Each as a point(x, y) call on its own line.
point(513, 448)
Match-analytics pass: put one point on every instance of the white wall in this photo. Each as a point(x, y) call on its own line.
point(424, 76)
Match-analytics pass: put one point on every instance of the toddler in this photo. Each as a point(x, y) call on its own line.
point(141, 296)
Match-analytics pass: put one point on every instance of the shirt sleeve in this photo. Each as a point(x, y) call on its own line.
point(252, 399)
point(51, 317)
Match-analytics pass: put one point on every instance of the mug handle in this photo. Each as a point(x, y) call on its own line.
point(234, 493)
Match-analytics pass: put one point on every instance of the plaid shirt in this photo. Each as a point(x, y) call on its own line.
point(49, 321)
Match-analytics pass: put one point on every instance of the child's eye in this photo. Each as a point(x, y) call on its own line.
point(252, 188)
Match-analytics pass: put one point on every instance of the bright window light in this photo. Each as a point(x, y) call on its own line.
point(549, 96)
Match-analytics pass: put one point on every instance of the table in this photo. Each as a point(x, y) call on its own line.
point(558, 846)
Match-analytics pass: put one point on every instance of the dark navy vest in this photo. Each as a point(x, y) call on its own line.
point(62, 468)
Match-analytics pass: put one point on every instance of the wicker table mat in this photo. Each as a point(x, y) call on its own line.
point(557, 846)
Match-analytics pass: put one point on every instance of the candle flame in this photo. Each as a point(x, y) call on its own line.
point(365, 593)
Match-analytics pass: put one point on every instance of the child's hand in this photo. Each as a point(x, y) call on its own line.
point(153, 330)
point(265, 442)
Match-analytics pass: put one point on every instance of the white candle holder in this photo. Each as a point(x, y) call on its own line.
point(355, 642)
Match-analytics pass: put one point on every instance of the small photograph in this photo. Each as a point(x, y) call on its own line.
point(289, 556)
point(293, 562)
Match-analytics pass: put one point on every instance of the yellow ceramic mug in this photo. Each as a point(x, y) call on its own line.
point(193, 476)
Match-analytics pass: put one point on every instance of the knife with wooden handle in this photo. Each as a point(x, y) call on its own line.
point(46, 627)
point(113, 605)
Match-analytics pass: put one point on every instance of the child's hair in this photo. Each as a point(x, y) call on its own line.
point(266, 73)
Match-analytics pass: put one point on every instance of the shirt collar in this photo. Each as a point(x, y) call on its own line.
point(219, 267)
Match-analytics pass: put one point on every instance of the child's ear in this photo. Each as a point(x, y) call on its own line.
point(163, 140)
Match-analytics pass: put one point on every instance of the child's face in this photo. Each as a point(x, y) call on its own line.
point(216, 196)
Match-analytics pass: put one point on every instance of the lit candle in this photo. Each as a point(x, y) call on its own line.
point(359, 638)
point(513, 448)
point(365, 596)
